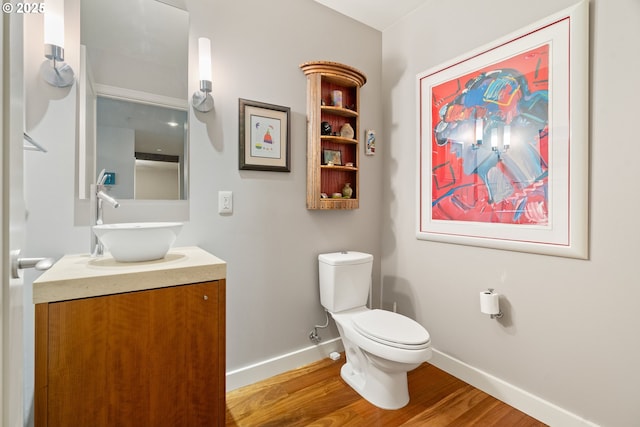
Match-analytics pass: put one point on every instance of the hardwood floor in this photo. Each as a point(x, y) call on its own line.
point(315, 395)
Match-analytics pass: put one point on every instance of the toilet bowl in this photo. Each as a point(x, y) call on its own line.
point(377, 367)
point(380, 346)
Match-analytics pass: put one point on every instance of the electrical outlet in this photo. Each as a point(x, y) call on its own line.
point(225, 202)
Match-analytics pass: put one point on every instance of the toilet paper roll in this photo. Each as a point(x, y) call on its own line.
point(489, 302)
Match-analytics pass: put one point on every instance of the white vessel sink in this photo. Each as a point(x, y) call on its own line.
point(138, 241)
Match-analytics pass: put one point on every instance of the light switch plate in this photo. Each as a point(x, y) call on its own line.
point(225, 202)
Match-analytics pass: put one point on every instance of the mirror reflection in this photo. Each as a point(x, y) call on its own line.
point(142, 148)
point(136, 101)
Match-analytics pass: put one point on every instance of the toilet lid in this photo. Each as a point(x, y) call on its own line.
point(392, 329)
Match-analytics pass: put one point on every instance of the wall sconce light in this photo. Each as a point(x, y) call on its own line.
point(506, 140)
point(54, 70)
point(495, 139)
point(479, 131)
point(506, 137)
point(202, 100)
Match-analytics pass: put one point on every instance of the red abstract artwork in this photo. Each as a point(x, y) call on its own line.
point(490, 149)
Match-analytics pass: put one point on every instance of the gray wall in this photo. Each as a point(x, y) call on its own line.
point(271, 241)
point(571, 333)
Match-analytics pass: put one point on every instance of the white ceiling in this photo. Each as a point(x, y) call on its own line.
point(378, 14)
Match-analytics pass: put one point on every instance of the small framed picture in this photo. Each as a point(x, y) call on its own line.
point(332, 157)
point(370, 139)
point(264, 136)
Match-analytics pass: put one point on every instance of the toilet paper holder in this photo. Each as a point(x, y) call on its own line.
point(499, 314)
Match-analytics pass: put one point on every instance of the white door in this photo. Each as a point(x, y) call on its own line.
point(13, 220)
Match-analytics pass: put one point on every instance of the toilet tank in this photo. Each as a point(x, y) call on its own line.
point(345, 278)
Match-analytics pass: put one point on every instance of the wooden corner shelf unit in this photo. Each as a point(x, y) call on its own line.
point(324, 179)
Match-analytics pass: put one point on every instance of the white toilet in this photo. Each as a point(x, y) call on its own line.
point(381, 346)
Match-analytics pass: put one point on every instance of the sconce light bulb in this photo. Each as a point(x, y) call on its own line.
point(54, 70)
point(204, 58)
point(479, 131)
point(506, 136)
point(54, 23)
point(494, 138)
point(202, 100)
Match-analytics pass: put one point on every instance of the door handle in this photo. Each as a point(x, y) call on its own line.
point(18, 263)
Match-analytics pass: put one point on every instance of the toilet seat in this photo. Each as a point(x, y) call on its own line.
point(391, 329)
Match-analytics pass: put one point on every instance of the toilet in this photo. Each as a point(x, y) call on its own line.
point(381, 346)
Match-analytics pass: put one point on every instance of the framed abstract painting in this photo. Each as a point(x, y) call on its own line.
point(503, 142)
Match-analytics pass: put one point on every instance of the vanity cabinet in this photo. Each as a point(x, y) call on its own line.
point(153, 357)
point(333, 132)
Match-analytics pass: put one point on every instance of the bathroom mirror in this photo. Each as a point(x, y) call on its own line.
point(133, 98)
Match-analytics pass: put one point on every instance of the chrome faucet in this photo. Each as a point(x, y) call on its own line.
point(100, 197)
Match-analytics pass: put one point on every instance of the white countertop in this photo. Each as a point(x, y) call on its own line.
point(83, 276)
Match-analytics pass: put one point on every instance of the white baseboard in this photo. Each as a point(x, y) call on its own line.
point(277, 365)
point(522, 400)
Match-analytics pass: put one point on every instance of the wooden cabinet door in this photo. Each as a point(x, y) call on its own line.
point(149, 358)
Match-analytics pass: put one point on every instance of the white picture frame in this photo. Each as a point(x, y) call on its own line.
point(498, 168)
